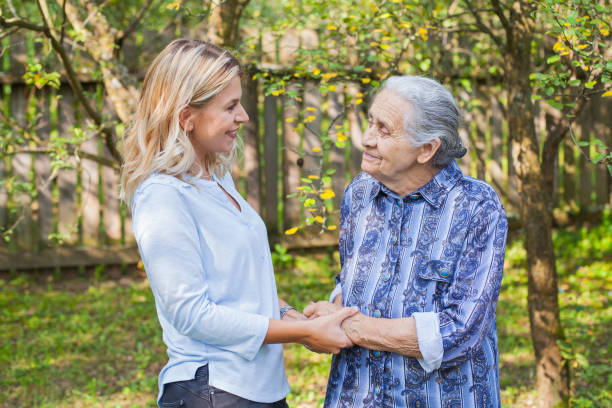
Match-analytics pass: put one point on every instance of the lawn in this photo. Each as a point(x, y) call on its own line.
point(91, 338)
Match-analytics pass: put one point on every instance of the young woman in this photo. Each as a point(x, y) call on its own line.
point(205, 250)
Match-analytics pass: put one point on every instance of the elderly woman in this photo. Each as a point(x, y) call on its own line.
point(422, 252)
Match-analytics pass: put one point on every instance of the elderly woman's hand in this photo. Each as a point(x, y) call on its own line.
point(325, 334)
point(321, 308)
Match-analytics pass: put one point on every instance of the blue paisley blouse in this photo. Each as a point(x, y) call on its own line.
point(437, 252)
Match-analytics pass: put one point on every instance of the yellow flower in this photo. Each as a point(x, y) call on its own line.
point(289, 120)
point(315, 149)
point(252, 46)
point(329, 75)
point(607, 94)
point(423, 33)
point(558, 46)
point(331, 27)
point(359, 101)
point(582, 46)
point(174, 5)
point(358, 95)
point(332, 88)
point(316, 71)
point(352, 28)
point(312, 209)
point(312, 176)
point(331, 227)
point(338, 126)
point(319, 219)
point(373, 43)
point(311, 109)
point(341, 137)
point(327, 194)
point(254, 77)
point(604, 31)
point(310, 118)
point(291, 231)
point(367, 69)
point(385, 46)
point(365, 80)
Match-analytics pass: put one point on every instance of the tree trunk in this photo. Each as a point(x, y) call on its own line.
point(223, 22)
point(536, 215)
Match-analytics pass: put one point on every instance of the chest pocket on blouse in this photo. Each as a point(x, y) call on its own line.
point(440, 272)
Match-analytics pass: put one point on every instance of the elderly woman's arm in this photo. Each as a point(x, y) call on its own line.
point(467, 310)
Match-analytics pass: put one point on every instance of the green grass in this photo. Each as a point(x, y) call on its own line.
point(92, 339)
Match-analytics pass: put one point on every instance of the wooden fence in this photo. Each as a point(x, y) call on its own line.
point(81, 207)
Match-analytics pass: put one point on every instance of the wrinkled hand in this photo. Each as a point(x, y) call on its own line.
point(320, 309)
point(326, 334)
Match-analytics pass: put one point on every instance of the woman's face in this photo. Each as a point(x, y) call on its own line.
point(214, 127)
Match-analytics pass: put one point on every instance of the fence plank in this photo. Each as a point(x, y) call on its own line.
point(44, 208)
point(291, 168)
point(250, 130)
point(67, 178)
point(22, 165)
point(355, 118)
point(336, 156)
point(585, 167)
point(312, 115)
point(90, 202)
point(601, 108)
point(271, 163)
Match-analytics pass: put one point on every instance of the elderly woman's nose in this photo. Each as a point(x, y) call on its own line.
point(368, 139)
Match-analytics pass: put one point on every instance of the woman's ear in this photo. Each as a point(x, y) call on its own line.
point(185, 120)
point(428, 150)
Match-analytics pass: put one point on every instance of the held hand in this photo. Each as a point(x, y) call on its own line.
point(325, 333)
point(321, 308)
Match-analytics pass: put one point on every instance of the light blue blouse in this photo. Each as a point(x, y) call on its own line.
point(211, 273)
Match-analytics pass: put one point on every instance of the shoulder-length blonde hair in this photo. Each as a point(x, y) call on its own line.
point(185, 73)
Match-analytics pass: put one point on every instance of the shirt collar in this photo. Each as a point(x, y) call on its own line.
point(433, 192)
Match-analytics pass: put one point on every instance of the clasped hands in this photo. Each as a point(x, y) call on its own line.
point(332, 326)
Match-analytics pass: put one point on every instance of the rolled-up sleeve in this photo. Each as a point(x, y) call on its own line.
point(169, 244)
point(468, 308)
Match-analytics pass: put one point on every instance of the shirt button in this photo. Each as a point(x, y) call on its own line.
point(444, 272)
point(399, 202)
point(376, 353)
point(414, 197)
point(393, 240)
point(377, 390)
point(376, 313)
point(386, 276)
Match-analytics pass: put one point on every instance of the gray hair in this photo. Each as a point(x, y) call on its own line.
point(435, 114)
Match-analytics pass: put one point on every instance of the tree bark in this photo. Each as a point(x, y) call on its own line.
point(224, 22)
point(535, 193)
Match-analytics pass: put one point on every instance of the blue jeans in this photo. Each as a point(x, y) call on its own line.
point(197, 393)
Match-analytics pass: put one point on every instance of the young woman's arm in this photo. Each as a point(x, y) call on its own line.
point(323, 335)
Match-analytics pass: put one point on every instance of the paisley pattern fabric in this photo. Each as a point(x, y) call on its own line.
point(440, 249)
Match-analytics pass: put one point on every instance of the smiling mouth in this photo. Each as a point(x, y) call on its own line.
point(232, 133)
point(370, 156)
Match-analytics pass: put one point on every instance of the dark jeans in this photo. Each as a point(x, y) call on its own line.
point(197, 393)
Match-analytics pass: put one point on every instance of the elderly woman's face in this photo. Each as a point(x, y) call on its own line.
point(388, 154)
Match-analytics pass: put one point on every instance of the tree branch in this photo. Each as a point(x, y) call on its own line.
point(481, 25)
point(74, 152)
point(135, 22)
point(499, 11)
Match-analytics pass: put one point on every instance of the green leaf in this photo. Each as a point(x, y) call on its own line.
point(553, 59)
point(554, 104)
point(590, 85)
point(330, 172)
point(574, 82)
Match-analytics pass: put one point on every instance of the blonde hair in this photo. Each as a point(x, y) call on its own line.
point(185, 73)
